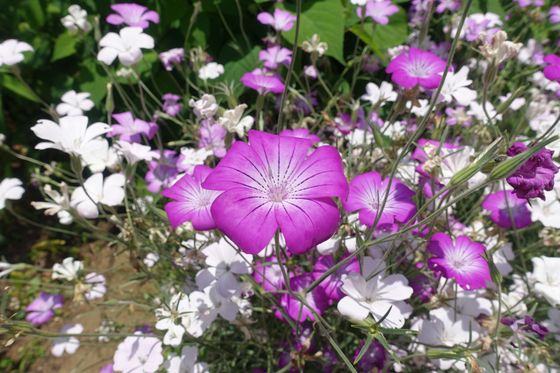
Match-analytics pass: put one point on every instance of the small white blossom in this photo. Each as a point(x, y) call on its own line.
point(498, 49)
point(127, 45)
point(169, 317)
point(315, 45)
point(186, 363)
point(67, 344)
point(455, 87)
point(96, 189)
point(96, 286)
point(134, 152)
point(205, 107)
point(379, 94)
point(67, 270)
point(76, 19)
point(11, 52)
point(74, 103)
point(234, 121)
point(546, 277)
point(10, 189)
point(59, 204)
point(191, 157)
point(151, 259)
point(211, 70)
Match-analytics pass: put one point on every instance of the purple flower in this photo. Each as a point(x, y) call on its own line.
point(212, 137)
point(107, 368)
point(262, 82)
point(422, 287)
point(172, 57)
point(535, 175)
point(41, 310)
point(171, 104)
point(451, 5)
point(526, 3)
point(507, 210)
point(161, 171)
point(131, 129)
point(302, 133)
point(366, 195)
point(332, 284)
point(272, 183)
point(378, 10)
point(526, 324)
point(477, 23)
point(462, 260)
point(191, 202)
point(274, 56)
point(316, 299)
point(373, 360)
point(416, 67)
point(552, 69)
point(281, 20)
point(269, 274)
point(346, 122)
point(458, 116)
point(554, 14)
point(133, 15)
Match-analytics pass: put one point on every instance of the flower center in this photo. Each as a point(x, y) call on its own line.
point(277, 193)
point(420, 69)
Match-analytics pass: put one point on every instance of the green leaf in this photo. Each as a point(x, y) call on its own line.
point(11, 83)
point(382, 37)
point(93, 80)
point(324, 18)
point(64, 46)
point(382, 140)
point(485, 6)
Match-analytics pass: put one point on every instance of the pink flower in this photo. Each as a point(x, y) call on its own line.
point(191, 202)
point(451, 5)
point(262, 82)
point(316, 299)
point(378, 10)
point(274, 56)
point(274, 183)
point(416, 67)
point(554, 14)
point(161, 171)
point(507, 210)
point(526, 3)
point(130, 129)
point(41, 310)
point(332, 285)
point(302, 133)
point(462, 260)
point(552, 69)
point(212, 137)
point(366, 195)
point(281, 20)
point(172, 57)
point(535, 175)
point(269, 274)
point(171, 104)
point(133, 15)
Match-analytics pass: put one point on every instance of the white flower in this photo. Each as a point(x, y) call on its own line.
point(233, 120)
point(68, 270)
point(138, 354)
point(444, 328)
point(512, 302)
point(74, 103)
point(67, 344)
point(420, 110)
point(225, 305)
point(11, 51)
point(315, 45)
point(70, 136)
point(96, 190)
point(547, 212)
point(515, 104)
point(329, 247)
point(471, 304)
point(455, 87)
point(501, 257)
point(126, 45)
point(2, 139)
point(96, 284)
point(169, 318)
point(546, 278)
point(151, 259)
point(498, 49)
point(224, 263)
point(98, 155)
point(200, 313)
point(186, 363)
point(211, 70)
point(205, 107)
point(191, 157)
point(10, 188)
point(359, 137)
point(359, 2)
point(76, 19)
point(134, 152)
point(528, 54)
point(59, 204)
point(378, 296)
point(455, 160)
point(476, 110)
point(382, 93)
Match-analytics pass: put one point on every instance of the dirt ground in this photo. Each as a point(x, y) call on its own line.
point(92, 355)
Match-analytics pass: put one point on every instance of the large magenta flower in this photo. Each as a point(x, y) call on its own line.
point(366, 195)
point(416, 67)
point(462, 260)
point(191, 202)
point(506, 209)
point(262, 82)
point(273, 183)
point(133, 15)
point(535, 175)
point(552, 69)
